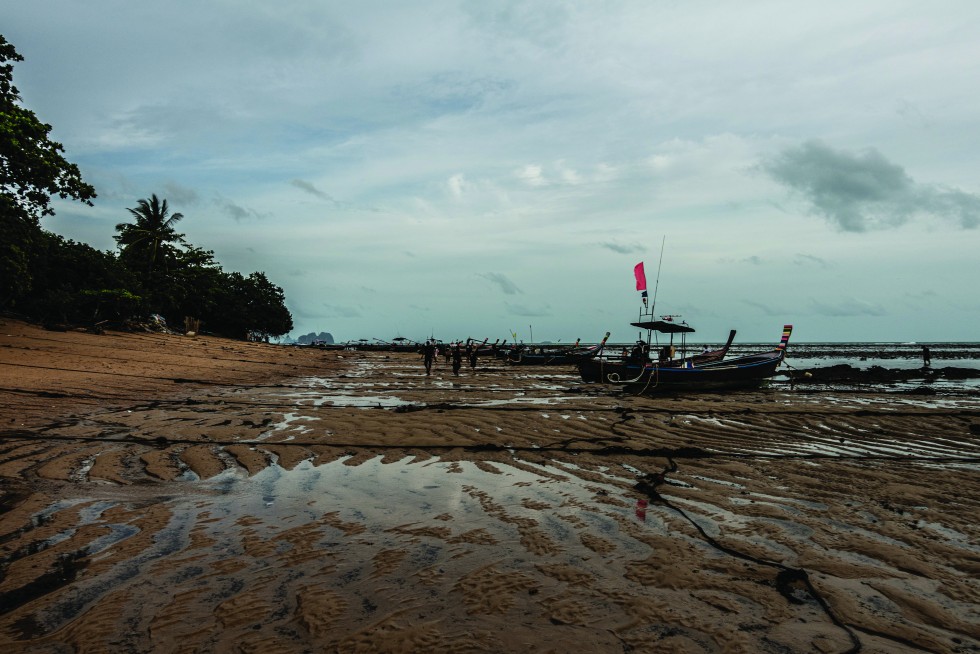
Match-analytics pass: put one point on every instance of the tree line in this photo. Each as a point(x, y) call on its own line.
point(154, 270)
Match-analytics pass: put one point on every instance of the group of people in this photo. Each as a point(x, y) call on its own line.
point(454, 353)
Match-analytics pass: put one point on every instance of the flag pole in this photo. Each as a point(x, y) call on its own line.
point(656, 286)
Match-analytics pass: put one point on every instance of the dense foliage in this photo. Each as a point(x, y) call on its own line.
point(48, 278)
point(31, 166)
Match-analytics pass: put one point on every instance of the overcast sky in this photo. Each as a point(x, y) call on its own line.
point(476, 168)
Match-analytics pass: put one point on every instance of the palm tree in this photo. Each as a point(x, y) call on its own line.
point(152, 230)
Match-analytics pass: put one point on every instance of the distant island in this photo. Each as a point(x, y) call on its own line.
point(309, 339)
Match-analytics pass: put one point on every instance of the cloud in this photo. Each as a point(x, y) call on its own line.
point(847, 308)
point(303, 185)
point(912, 114)
point(504, 282)
point(921, 295)
point(858, 192)
point(965, 207)
point(180, 195)
point(238, 212)
point(451, 91)
point(752, 260)
point(521, 310)
point(623, 249)
point(457, 185)
point(801, 259)
point(765, 308)
point(338, 311)
point(531, 175)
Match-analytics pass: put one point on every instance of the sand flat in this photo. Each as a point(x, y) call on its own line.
point(163, 493)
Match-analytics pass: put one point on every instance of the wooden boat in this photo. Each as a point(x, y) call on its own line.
point(654, 377)
point(598, 367)
point(402, 344)
point(553, 355)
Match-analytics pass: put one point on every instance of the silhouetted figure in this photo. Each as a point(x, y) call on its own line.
point(926, 356)
point(428, 355)
point(457, 359)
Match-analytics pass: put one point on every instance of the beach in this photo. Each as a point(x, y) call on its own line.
point(166, 493)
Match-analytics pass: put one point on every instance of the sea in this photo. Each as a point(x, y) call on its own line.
point(889, 367)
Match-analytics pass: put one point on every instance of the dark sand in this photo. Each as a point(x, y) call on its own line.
point(173, 494)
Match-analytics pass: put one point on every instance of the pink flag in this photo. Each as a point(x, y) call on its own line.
point(641, 277)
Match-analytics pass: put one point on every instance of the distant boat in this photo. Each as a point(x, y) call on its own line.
point(402, 344)
point(553, 355)
point(667, 374)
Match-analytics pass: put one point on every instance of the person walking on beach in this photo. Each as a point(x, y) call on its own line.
point(457, 359)
point(926, 357)
point(473, 350)
point(428, 355)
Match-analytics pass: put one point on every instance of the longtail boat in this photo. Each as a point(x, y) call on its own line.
point(666, 375)
point(553, 355)
point(596, 368)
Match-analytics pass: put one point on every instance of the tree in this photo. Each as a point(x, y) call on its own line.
point(73, 282)
point(31, 171)
point(197, 281)
point(141, 241)
point(32, 168)
point(149, 242)
point(250, 307)
point(268, 315)
point(19, 236)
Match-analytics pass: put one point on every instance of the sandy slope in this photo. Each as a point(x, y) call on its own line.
point(172, 494)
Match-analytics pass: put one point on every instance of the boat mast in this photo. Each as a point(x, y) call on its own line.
point(656, 286)
point(653, 306)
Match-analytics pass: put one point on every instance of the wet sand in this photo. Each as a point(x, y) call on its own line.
point(172, 494)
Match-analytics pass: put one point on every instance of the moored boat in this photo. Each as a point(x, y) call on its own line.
point(595, 369)
point(666, 376)
point(553, 355)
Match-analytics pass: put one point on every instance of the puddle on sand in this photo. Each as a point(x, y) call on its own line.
point(340, 397)
point(386, 495)
point(437, 512)
point(289, 423)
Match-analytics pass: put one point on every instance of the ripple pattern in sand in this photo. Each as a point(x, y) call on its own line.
point(492, 511)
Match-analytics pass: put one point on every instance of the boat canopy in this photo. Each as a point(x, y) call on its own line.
point(664, 327)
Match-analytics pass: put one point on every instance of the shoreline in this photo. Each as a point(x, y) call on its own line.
point(81, 369)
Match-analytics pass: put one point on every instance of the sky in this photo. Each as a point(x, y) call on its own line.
point(483, 168)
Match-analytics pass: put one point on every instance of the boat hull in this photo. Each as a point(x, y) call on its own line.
point(597, 368)
point(744, 372)
point(707, 378)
